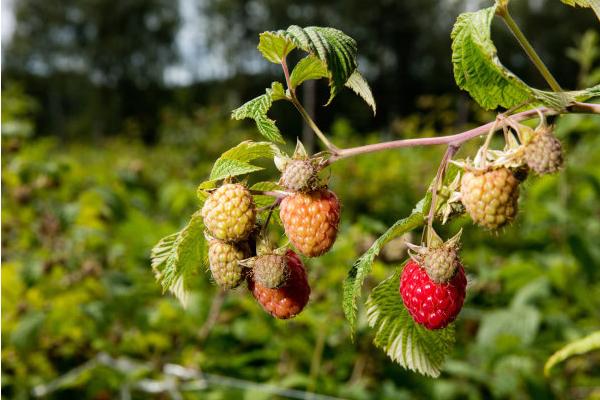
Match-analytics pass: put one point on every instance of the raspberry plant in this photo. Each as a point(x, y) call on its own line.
point(412, 311)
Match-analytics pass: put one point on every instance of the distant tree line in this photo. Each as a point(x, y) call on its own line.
point(97, 67)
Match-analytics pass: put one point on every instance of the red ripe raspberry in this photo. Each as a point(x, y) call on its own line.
point(288, 300)
point(433, 305)
point(311, 220)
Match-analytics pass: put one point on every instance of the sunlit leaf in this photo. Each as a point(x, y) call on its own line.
point(257, 109)
point(478, 70)
point(360, 86)
point(274, 47)
point(332, 46)
point(177, 258)
point(593, 4)
point(310, 67)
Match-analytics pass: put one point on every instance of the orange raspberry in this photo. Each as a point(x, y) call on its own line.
point(311, 220)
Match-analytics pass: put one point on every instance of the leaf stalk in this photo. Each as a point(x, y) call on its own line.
point(502, 12)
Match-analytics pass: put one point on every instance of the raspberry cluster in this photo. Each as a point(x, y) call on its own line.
point(433, 282)
point(277, 280)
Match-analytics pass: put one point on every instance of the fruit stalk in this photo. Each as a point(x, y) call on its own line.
point(279, 194)
point(439, 177)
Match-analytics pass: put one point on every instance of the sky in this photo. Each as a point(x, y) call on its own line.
point(196, 62)
point(8, 19)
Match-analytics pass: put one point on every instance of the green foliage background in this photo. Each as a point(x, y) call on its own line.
point(78, 222)
point(101, 158)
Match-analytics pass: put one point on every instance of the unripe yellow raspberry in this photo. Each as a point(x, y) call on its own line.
point(490, 197)
point(229, 213)
point(543, 154)
point(224, 261)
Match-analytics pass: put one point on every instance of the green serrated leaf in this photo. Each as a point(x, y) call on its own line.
point(332, 46)
point(404, 341)
point(178, 257)
point(249, 150)
point(362, 267)
point(225, 168)
point(580, 346)
point(310, 67)
point(586, 94)
point(235, 162)
point(262, 200)
point(593, 4)
point(478, 70)
point(201, 191)
point(274, 47)
point(360, 86)
point(277, 91)
point(257, 109)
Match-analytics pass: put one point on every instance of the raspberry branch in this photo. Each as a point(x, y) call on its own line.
point(459, 138)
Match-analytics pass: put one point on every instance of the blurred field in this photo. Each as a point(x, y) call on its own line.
point(78, 221)
point(112, 114)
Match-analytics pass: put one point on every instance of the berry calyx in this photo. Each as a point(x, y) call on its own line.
point(490, 196)
point(311, 220)
point(440, 259)
point(269, 270)
point(288, 300)
point(229, 213)
point(299, 175)
point(433, 305)
point(224, 260)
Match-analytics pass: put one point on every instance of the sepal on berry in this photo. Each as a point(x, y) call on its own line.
point(288, 300)
point(439, 259)
point(452, 206)
point(300, 172)
point(269, 270)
